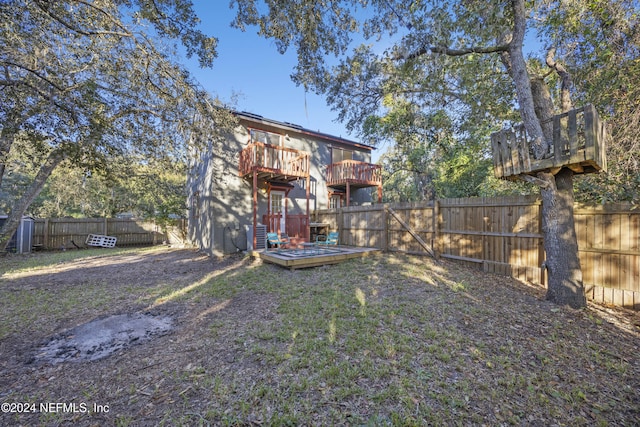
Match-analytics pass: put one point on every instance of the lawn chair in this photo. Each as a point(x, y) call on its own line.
point(278, 242)
point(284, 238)
point(331, 239)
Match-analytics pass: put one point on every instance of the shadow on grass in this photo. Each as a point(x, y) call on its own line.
point(383, 340)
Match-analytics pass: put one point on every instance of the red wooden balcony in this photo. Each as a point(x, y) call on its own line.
point(354, 173)
point(273, 162)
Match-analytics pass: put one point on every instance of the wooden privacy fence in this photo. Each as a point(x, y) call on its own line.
point(504, 236)
point(58, 233)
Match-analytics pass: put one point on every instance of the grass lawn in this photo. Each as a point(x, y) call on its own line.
point(384, 340)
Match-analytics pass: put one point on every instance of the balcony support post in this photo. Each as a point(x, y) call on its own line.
point(348, 193)
point(307, 230)
point(255, 208)
point(269, 220)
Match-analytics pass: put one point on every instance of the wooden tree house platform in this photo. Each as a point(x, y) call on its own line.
point(578, 144)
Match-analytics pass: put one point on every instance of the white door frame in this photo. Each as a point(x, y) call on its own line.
point(282, 208)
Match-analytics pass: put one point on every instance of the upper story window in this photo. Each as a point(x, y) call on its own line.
point(265, 137)
point(339, 154)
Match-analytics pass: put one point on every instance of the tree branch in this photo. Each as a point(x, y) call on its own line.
point(533, 180)
point(41, 93)
point(35, 73)
point(108, 16)
point(18, 209)
point(444, 50)
point(565, 78)
point(69, 26)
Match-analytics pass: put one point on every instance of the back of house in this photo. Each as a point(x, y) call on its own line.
point(269, 176)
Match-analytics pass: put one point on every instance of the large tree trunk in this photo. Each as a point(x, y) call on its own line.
point(565, 285)
point(7, 136)
point(15, 216)
point(517, 68)
point(543, 106)
point(560, 242)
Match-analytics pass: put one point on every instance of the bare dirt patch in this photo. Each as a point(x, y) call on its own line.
point(96, 307)
point(385, 340)
point(102, 337)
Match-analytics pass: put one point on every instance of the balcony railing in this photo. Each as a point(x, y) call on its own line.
point(579, 139)
point(297, 225)
point(273, 161)
point(354, 173)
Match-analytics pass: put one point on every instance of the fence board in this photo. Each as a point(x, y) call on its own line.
point(62, 233)
point(504, 236)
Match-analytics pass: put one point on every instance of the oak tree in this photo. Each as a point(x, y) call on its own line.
point(82, 83)
point(422, 59)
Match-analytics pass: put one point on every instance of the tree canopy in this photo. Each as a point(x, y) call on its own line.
point(407, 71)
point(440, 70)
point(89, 83)
point(150, 189)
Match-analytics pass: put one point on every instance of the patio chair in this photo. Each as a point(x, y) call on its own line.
point(279, 242)
point(285, 240)
point(331, 239)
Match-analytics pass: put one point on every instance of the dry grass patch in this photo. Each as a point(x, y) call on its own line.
point(384, 340)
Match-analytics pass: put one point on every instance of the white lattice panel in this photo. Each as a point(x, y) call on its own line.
point(100, 240)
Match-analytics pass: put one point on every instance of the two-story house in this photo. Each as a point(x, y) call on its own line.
point(269, 176)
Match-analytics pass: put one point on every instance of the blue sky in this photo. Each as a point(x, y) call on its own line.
point(250, 67)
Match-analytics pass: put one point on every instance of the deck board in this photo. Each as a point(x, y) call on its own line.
point(299, 258)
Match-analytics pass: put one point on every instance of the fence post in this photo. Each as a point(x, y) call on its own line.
point(45, 231)
point(385, 226)
point(155, 232)
point(541, 252)
point(341, 223)
point(437, 227)
point(484, 234)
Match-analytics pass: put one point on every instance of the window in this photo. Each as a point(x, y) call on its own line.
point(338, 155)
point(265, 137)
point(278, 203)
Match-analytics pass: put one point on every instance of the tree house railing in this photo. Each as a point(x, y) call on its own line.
point(273, 162)
point(355, 173)
point(578, 143)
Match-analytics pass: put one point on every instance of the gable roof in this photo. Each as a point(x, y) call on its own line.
point(256, 118)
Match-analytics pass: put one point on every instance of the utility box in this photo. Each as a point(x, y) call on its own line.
point(22, 240)
point(261, 237)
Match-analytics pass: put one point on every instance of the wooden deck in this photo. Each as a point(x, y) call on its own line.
point(313, 257)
